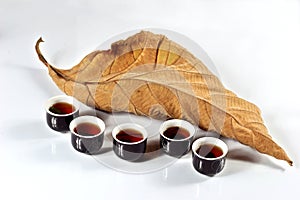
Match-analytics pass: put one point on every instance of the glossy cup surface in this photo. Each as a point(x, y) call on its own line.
point(87, 144)
point(61, 122)
point(176, 147)
point(130, 151)
point(209, 166)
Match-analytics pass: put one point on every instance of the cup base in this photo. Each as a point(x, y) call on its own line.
point(131, 157)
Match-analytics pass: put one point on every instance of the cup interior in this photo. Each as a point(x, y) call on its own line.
point(61, 98)
point(87, 119)
point(212, 141)
point(177, 123)
point(133, 126)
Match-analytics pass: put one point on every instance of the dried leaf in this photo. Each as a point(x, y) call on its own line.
point(148, 74)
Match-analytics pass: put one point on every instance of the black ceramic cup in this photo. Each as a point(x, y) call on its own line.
point(87, 134)
point(60, 121)
point(178, 141)
point(209, 155)
point(126, 145)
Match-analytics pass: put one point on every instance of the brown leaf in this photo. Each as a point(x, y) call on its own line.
point(148, 74)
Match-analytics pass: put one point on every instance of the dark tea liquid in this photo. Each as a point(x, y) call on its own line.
point(209, 151)
point(62, 108)
point(87, 129)
point(176, 133)
point(129, 135)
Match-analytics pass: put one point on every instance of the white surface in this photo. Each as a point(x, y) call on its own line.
point(254, 44)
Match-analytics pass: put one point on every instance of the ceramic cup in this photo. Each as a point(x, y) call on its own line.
point(87, 134)
point(208, 155)
point(176, 137)
point(60, 118)
point(129, 141)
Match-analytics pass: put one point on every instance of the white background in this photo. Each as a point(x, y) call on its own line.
point(254, 44)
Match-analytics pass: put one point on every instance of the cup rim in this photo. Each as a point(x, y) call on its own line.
point(134, 126)
point(213, 141)
point(89, 119)
point(180, 123)
point(61, 98)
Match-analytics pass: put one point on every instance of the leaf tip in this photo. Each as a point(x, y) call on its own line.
point(40, 40)
point(38, 51)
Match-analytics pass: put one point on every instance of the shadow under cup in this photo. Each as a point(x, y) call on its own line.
point(60, 121)
point(208, 155)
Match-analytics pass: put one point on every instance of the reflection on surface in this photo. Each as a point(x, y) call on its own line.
point(181, 173)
